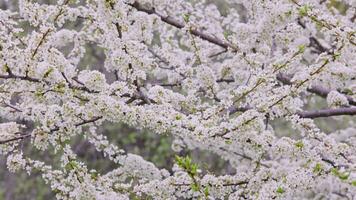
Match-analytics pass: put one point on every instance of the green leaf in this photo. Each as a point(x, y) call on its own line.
point(206, 191)
point(194, 169)
point(195, 187)
point(336, 55)
point(6, 68)
point(186, 17)
point(229, 141)
point(299, 144)
point(109, 3)
point(60, 87)
point(334, 171)
point(226, 34)
point(341, 175)
point(348, 91)
point(318, 168)
point(288, 13)
point(38, 93)
point(303, 10)
point(71, 165)
point(94, 175)
point(178, 117)
point(179, 161)
point(301, 48)
point(353, 183)
point(48, 72)
point(280, 190)
point(56, 191)
point(68, 167)
point(187, 164)
point(344, 176)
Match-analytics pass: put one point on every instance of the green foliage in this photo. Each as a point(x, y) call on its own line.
point(178, 117)
point(353, 183)
point(229, 141)
point(303, 10)
point(317, 168)
point(341, 6)
point(206, 191)
point(192, 169)
point(227, 34)
point(6, 68)
point(280, 190)
point(109, 3)
point(186, 17)
point(48, 72)
point(60, 87)
point(301, 48)
point(341, 175)
point(299, 144)
point(336, 55)
point(288, 13)
point(187, 164)
point(71, 165)
point(94, 175)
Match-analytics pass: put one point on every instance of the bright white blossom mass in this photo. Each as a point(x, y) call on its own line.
point(213, 80)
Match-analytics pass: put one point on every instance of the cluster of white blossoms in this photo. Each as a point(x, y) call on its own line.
point(335, 99)
point(213, 78)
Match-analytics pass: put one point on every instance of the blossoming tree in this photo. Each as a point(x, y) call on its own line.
point(213, 80)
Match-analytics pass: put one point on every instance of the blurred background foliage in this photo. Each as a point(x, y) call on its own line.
point(153, 147)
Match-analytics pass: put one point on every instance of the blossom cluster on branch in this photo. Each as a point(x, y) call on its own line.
point(212, 80)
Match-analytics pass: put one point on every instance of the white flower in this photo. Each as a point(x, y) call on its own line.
point(8, 130)
point(335, 99)
point(40, 140)
point(204, 72)
point(94, 80)
point(15, 162)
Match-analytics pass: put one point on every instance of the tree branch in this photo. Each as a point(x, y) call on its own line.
point(52, 130)
point(316, 89)
point(309, 114)
point(170, 20)
point(10, 75)
point(327, 112)
point(26, 78)
point(319, 90)
point(15, 139)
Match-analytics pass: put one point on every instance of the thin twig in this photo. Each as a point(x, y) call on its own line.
point(170, 20)
point(51, 131)
point(316, 89)
point(319, 90)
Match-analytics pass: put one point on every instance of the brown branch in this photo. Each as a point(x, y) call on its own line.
point(233, 110)
point(327, 112)
point(80, 123)
point(13, 107)
point(172, 21)
point(61, 11)
point(224, 184)
point(41, 42)
point(310, 114)
point(242, 155)
point(11, 31)
point(319, 90)
point(89, 121)
point(36, 80)
point(15, 139)
point(26, 78)
point(316, 89)
point(51, 131)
